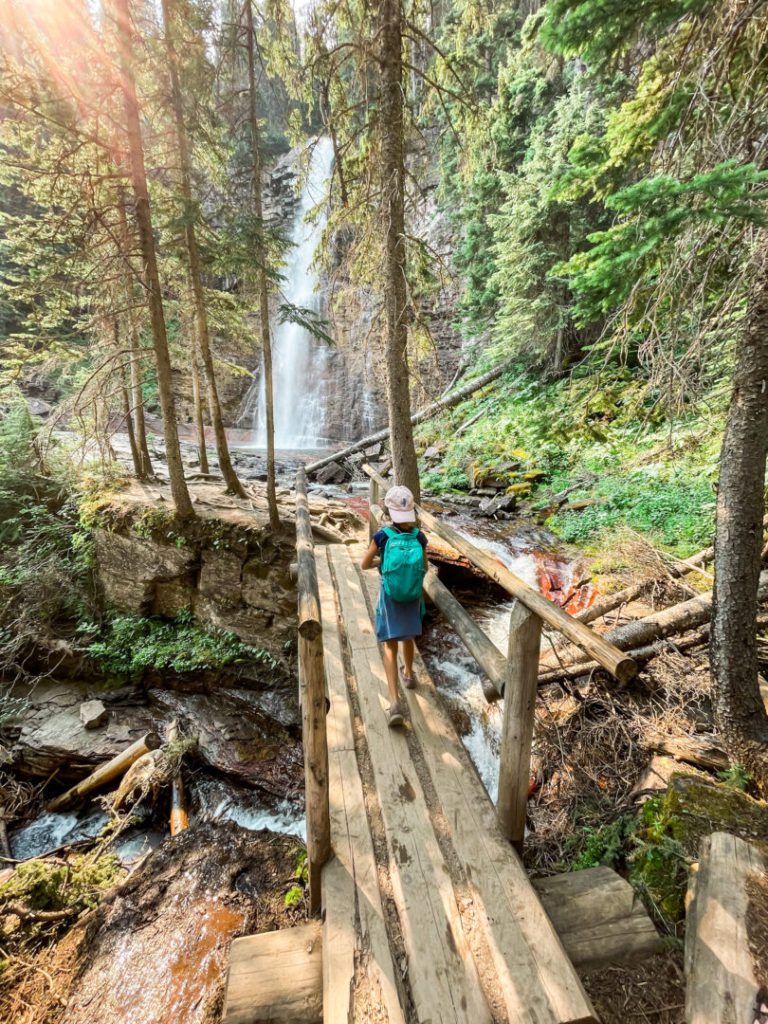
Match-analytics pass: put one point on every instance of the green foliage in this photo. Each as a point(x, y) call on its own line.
point(128, 646)
point(675, 511)
point(605, 845)
point(599, 29)
point(295, 895)
point(659, 862)
point(736, 776)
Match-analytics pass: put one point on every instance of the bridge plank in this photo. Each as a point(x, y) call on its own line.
point(538, 981)
point(443, 976)
point(354, 931)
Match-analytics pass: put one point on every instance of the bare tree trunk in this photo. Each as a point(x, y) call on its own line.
point(740, 714)
point(392, 158)
point(137, 399)
point(125, 399)
point(266, 341)
point(144, 470)
point(195, 266)
point(179, 490)
point(197, 401)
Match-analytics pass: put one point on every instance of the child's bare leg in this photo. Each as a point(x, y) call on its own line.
point(408, 650)
point(390, 668)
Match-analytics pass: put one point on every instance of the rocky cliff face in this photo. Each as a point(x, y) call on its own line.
point(234, 578)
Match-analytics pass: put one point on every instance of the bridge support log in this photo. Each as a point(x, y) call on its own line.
point(312, 694)
point(517, 728)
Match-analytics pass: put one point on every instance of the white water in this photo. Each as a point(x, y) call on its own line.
point(299, 360)
point(459, 677)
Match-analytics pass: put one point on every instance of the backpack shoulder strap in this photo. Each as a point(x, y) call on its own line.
point(391, 531)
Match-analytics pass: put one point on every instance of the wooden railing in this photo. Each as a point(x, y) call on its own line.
point(312, 697)
point(516, 676)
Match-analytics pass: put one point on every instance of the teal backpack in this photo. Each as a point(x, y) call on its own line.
point(402, 568)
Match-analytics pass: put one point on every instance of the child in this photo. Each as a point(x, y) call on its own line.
point(402, 548)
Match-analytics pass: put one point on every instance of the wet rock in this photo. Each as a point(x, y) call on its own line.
point(501, 503)
point(237, 737)
point(93, 714)
point(156, 949)
point(52, 739)
point(331, 474)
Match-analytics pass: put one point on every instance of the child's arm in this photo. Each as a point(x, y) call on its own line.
point(369, 556)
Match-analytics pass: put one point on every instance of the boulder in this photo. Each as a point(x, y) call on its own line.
point(374, 451)
point(93, 714)
point(501, 503)
point(333, 473)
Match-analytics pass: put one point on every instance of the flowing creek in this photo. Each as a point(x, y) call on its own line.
point(528, 552)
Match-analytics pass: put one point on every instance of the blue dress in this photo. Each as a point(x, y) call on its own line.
point(397, 620)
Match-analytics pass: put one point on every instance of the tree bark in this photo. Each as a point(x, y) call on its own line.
point(138, 174)
point(740, 715)
point(144, 470)
point(195, 265)
point(261, 278)
point(197, 401)
point(392, 160)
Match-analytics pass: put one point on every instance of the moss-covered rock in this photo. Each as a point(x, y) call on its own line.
point(701, 806)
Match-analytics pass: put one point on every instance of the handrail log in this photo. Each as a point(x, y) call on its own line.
point(481, 647)
point(312, 694)
point(611, 658)
point(306, 573)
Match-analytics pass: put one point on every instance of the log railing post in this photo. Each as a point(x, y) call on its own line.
point(313, 703)
point(373, 501)
point(517, 728)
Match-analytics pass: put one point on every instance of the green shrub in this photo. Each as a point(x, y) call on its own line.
point(128, 646)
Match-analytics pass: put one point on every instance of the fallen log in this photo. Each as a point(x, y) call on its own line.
point(612, 601)
point(728, 895)
point(678, 619)
point(486, 653)
point(423, 414)
point(106, 772)
point(701, 750)
point(638, 654)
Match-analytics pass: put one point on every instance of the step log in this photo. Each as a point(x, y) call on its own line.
point(105, 773)
point(276, 977)
point(726, 917)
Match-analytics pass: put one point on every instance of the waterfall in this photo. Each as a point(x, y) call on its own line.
point(299, 361)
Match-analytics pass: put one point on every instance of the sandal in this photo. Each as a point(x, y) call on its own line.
point(409, 681)
point(394, 715)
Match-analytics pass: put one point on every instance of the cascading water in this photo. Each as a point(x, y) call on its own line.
point(299, 360)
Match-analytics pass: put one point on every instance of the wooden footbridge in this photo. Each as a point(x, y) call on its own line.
point(426, 912)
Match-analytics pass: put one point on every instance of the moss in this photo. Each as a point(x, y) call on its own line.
point(700, 807)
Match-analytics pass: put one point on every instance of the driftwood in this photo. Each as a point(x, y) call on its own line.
point(106, 772)
point(726, 918)
point(612, 601)
point(179, 812)
point(638, 654)
point(423, 414)
point(701, 750)
point(678, 619)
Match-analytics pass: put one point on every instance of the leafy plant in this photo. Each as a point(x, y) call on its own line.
point(736, 776)
point(128, 646)
point(295, 894)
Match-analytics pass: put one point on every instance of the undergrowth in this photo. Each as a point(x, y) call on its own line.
point(604, 437)
point(128, 646)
